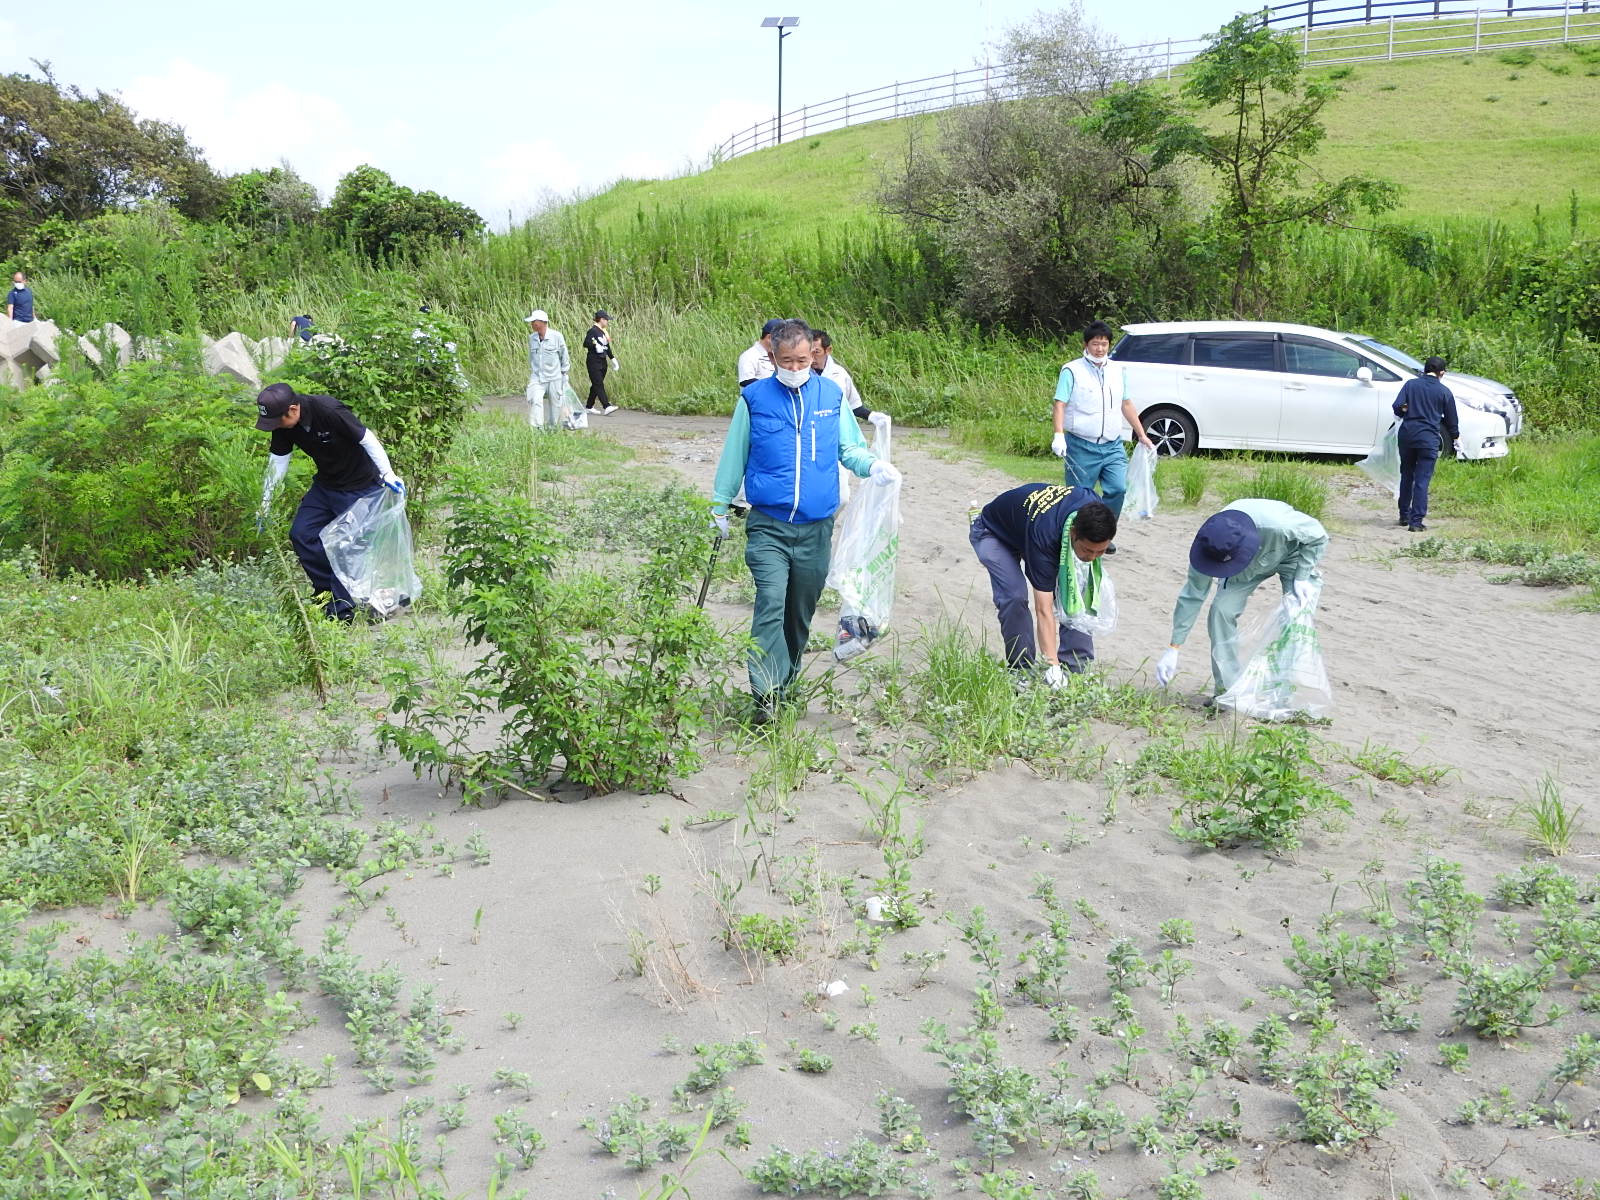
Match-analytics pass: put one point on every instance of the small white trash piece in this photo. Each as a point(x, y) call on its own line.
point(874, 908)
point(837, 988)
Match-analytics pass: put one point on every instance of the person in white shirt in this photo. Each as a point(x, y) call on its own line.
point(548, 367)
point(825, 364)
point(756, 362)
point(1092, 403)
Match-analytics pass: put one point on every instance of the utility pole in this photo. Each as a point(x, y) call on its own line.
point(784, 26)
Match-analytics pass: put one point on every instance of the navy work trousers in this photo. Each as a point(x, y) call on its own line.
point(1416, 473)
point(1013, 602)
point(318, 508)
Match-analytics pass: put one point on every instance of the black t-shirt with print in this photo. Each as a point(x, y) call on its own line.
point(1029, 520)
point(331, 435)
point(598, 343)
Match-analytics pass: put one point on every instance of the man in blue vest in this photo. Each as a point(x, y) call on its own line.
point(789, 434)
point(1092, 403)
point(1423, 405)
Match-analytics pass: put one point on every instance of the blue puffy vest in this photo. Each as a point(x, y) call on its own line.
point(792, 470)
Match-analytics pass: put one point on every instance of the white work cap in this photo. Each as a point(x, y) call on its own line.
point(539, 314)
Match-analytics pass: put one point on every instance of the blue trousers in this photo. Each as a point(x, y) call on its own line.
point(318, 507)
point(1105, 463)
point(1416, 473)
point(1013, 602)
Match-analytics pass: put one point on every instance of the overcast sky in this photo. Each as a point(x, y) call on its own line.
point(501, 105)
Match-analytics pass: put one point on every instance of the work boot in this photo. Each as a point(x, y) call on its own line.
point(1418, 527)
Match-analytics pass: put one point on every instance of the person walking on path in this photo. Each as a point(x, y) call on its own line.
point(1424, 406)
point(1022, 537)
point(788, 434)
point(351, 463)
point(1241, 547)
point(598, 354)
point(756, 362)
point(548, 368)
point(19, 300)
point(1092, 402)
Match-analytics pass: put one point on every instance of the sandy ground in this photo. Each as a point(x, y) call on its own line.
point(580, 898)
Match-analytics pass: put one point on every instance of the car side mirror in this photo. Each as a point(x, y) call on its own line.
point(1364, 374)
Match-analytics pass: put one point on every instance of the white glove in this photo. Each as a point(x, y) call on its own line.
point(1302, 591)
point(394, 483)
point(883, 474)
point(1055, 677)
point(616, 366)
point(880, 420)
point(1456, 445)
point(1058, 445)
point(1167, 667)
point(719, 522)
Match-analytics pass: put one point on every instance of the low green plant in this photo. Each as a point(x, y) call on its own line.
point(1387, 763)
point(1337, 1093)
point(1292, 484)
point(1258, 791)
point(1178, 931)
point(776, 939)
point(1501, 1003)
point(1546, 820)
point(862, 1168)
point(812, 1062)
point(1193, 476)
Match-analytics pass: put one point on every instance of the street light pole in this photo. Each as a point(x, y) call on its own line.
point(784, 26)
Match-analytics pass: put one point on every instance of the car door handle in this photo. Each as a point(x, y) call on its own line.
point(1294, 387)
point(1194, 378)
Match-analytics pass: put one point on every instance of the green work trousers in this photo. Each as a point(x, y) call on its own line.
point(790, 566)
point(1222, 623)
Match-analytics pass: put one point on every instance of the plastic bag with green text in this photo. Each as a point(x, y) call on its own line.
point(1285, 676)
point(369, 548)
point(862, 570)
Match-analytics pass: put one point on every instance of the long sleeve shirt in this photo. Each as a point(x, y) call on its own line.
point(1291, 545)
point(1424, 404)
point(547, 356)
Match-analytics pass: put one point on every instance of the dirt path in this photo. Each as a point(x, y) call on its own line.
point(595, 923)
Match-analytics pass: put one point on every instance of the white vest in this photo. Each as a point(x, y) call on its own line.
point(1094, 411)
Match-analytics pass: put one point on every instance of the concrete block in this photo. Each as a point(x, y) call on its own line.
point(229, 356)
point(115, 340)
point(271, 351)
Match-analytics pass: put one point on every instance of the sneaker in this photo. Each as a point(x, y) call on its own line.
point(761, 712)
point(1417, 527)
point(1403, 522)
point(608, 409)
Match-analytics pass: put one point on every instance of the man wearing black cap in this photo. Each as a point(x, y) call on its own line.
point(1241, 547)
point(597, 354)
point(756, 362)
point(1423, 405)
point(351, 463)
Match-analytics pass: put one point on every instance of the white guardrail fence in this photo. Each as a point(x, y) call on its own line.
point(1328, 33)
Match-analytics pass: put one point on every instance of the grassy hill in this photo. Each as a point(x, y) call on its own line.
point(1501, 134)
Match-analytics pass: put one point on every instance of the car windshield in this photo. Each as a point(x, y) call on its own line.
point(1389, 352)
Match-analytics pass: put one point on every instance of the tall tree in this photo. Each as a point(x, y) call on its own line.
point(385, 218)
point(65, 153)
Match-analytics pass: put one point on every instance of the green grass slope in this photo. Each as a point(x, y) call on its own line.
point(1468, 136)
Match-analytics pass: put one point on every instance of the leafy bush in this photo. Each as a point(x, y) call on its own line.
point(619, 708)
point(1293, 485)
point(398, 371)
point(1259, 791)
point(117, 477)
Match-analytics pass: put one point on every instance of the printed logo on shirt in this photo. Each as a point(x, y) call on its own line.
point(1037, 503)
point(826, 412)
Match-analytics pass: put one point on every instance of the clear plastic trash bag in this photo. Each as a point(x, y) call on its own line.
point(1382, 466)
point(862, 568)
point(369, 548)
point(1285, 676)
point(1099, 623)
point(576, 416)
point(1141, 498)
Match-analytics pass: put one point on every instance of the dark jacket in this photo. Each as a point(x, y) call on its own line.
point(1425, 404)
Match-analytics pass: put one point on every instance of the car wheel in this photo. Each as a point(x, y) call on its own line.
point(1172, 430)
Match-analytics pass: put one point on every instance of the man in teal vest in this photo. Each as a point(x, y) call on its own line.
point(789, 434)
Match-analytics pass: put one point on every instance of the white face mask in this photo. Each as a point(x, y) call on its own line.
point(793, 379)
point(1099, 362)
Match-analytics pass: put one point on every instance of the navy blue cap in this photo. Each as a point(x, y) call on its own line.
point(1225, 544)
point(767, 329)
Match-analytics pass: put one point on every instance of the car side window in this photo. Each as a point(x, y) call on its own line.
point(1153, 348)
point(1237, 352)
point(1319, 358)
point(1381, 373)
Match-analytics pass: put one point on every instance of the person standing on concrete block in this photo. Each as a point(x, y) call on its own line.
point(548, 368)
point(300, 327)
point(351, 463)
point(19, 300)
point(598, 355)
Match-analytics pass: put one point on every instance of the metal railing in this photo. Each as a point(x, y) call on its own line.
point(1397, 29)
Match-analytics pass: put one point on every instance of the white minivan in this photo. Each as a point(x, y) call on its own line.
point(1262, 385)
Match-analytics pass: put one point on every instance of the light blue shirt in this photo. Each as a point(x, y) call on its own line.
point(1291, 545)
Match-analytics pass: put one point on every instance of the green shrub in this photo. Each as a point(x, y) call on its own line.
point(116, 477)
point(1257, 791)
point(398, 371)
point(1293, 485)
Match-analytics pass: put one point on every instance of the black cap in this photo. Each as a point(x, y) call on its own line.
point(770, 326)
point(602, 315)
point(272, 403)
